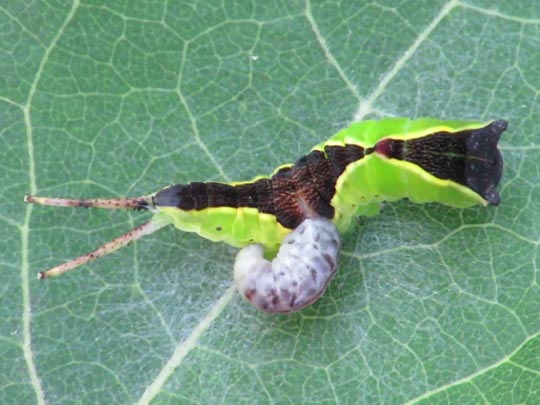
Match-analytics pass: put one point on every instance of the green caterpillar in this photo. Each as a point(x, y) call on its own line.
point(299, 209)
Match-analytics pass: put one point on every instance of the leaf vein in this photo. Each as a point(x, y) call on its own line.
point(366, 106)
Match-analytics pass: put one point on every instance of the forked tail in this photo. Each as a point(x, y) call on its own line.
point(145, 202)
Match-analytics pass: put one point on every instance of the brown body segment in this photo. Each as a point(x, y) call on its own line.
point(292, 194)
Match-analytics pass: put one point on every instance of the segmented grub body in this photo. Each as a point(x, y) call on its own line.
point(305, 264)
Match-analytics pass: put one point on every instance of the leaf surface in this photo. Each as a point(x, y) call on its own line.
point(97, 98)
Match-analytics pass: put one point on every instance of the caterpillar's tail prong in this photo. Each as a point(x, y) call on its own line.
point(136, 233)
point(144, 202)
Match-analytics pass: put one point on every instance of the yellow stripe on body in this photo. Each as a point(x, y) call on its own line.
point(236, 226)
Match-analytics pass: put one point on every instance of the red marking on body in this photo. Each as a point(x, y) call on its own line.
point(384, 147)
point(249, 294)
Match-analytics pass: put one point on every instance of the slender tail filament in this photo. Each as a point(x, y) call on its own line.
point(145, 202)
point(136, 233)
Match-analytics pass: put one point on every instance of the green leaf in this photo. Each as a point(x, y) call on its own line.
point(100, 98)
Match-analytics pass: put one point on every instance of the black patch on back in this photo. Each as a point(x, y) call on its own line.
point(177, 195)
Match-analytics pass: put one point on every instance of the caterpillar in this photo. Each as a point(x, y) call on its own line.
point(298, 212)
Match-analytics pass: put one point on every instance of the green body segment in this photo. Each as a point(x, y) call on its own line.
point(375, 178)
point(358, 191)
point(238, 227)
point(367, 133)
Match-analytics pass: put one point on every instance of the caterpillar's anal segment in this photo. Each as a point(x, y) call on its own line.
point(300, 273)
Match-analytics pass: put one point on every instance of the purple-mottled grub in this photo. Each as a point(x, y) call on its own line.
point(300, 273)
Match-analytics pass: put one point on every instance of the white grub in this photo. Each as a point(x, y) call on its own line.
point(298, 276)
